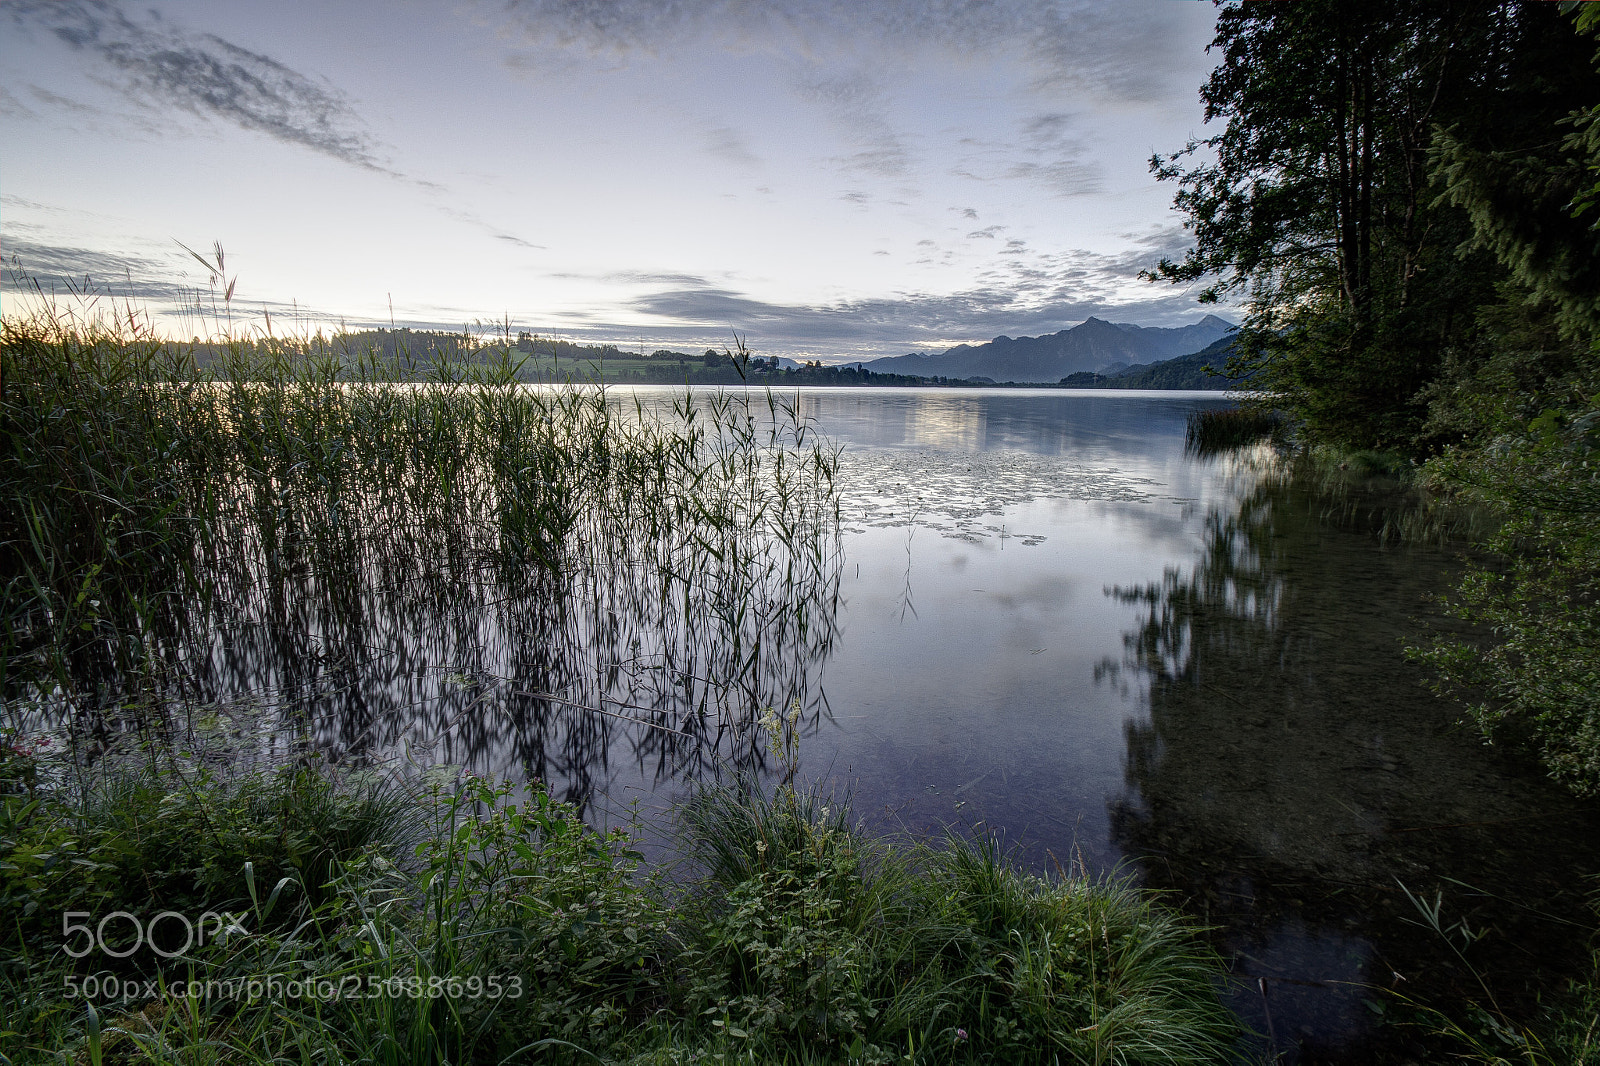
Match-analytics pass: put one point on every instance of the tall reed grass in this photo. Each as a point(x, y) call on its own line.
point(1218, 431)
point(289, 523)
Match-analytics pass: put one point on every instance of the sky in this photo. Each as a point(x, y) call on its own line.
point(832, 179)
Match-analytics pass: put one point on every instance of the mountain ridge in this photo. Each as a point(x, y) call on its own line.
point(1093, 345)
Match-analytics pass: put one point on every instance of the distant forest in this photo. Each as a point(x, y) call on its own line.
point(409, 354)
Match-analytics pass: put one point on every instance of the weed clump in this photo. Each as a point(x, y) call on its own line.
point(1220, 431)
point(458, 920)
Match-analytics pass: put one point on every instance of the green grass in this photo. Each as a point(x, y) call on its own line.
point(791, 937)
point(1217, 431)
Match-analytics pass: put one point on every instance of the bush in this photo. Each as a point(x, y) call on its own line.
point(514, 927)
point(1533, 675)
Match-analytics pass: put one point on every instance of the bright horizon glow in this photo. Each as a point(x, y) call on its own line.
point(825, 179)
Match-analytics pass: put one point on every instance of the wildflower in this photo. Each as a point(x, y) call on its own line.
point(961, 1036)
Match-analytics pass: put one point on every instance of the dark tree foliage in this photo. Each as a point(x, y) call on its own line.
point(1528, 180)
point(1521, 406)
point(1318, 200)
point(1408, 195)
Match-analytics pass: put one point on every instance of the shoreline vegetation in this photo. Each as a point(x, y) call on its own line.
point(151, 501)
point(447, 918)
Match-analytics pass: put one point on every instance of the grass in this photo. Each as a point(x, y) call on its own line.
point(1218, 431)
point(1564, 1032)
point(791, 937)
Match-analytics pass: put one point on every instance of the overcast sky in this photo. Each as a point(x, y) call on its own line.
point(829, 178)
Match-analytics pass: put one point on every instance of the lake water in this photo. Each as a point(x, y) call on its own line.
point(1055, 626)
point(1043, 620)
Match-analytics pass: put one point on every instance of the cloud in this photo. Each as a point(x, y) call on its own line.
point(1052, 157)
point(1149, 248)
point(10, 105)
point(64, 269)
point(730, 146)
point(64, 103)
point(1095, 53)
point(1097, 47)
point(207, 76)
point(857, 104)
point(518, 241)
point(1114, 50)
point(644, 277)
point(1064, 177)
point(1044, 294)
point(1048, 129)
point(1059, 161)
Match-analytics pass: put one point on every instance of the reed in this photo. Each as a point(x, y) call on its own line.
point(1220, 431)
point(166, 510)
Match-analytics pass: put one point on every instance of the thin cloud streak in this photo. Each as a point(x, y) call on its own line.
point(1087, 47)
point(209, 76)
point(213, 78)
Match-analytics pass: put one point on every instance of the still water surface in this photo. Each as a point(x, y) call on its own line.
point(1056, 626)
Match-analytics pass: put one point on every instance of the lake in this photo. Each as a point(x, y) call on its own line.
point(1040, 619)
point(1055, 626)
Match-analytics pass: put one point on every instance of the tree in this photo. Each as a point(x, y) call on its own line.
point(1529, 185)
point(1526, 403)
point(1317, 201)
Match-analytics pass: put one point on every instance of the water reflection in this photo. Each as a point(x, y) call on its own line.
point(963, 683)
point(579, 678)
point(1092, 425)
point(1293, 774)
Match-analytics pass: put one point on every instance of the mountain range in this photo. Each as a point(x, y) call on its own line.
point(1094, 345)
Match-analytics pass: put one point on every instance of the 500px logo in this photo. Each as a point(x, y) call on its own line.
point(159, 934)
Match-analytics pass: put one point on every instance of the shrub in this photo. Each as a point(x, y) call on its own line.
point(514, 927)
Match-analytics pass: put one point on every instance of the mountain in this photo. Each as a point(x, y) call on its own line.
point(1092, 345)
point(1184, 372)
